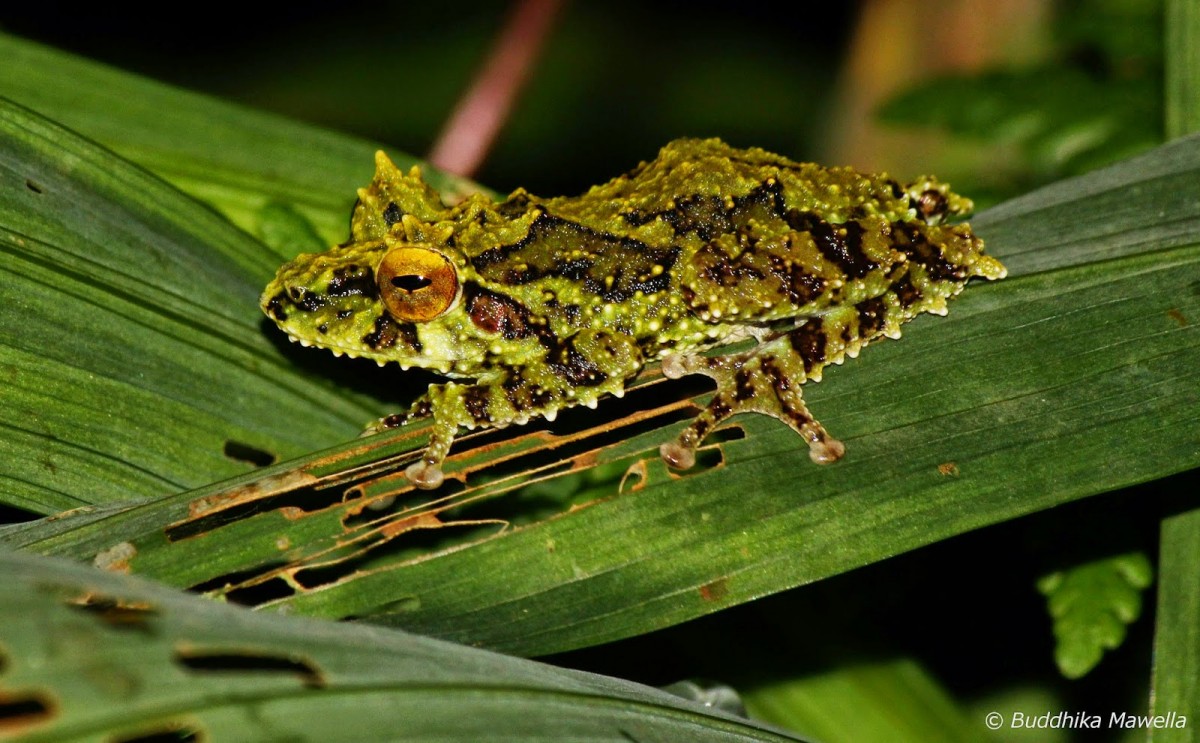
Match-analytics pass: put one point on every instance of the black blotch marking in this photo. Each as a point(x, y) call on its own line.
point(119, 616)
point(573, 366)
point(762, 202)
point(707, 216)
point(743, 388)
point(392, 213)
point(647, 284)
point(512, 207)
point(871, 316)
point(495, 313)
point(911, 239)
point(905, 291)
point(343, 314)
point(841, 244)
point(800, 286)
point(352, 281)
point(493, 264)
point(248, 453)
point(250, 661)
point(721, 408)
point(808, 341)
point(383, 335)
point(476, 400)
point(32, 186)
point(323, 328)
point(395, 420)
point(727, 271)
point(932, 205)
point(897, 189)
point(420, 409)
point(781, 384)
point(522, 395)
point(407, 333)
point(305, 300)
point(275, 307)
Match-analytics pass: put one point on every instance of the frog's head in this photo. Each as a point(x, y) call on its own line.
point(394, 292)
point(388, 299)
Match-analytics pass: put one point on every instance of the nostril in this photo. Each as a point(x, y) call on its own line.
point(305, 299)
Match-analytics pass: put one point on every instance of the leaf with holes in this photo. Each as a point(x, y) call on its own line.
point(1074, 376)
point(89, 655)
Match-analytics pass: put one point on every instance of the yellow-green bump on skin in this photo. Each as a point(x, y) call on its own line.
point(531, 305)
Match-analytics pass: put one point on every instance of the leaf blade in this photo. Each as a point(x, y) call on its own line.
point(145, 660)
point(1075, 375)
point(131, 332)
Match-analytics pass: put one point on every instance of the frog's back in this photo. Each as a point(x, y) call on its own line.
point(707, 236)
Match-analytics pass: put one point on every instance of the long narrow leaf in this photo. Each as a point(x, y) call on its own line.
point(1177, 627)
point(1078, 374)
point(130, 336)
point(87, 656)
point(235, 158)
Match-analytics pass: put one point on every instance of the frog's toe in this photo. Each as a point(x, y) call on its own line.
point(383, 424)
point(674, 366)
point(424, 475)
point(678, 456)
point(826, 451)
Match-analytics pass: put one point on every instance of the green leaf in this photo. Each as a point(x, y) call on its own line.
point(1094, 97)
point(234, 158)
point(1074, 376)
point(130, 336)
point(890, 701)
point(1176, 685)
point(1182, 25)
point(1091, 604)
point(88, 655)
point(1056, 132)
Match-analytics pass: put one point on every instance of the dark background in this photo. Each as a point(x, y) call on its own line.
point(615, 82)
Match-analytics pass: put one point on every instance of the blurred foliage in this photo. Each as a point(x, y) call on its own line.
point(1091, 604)
point(1096, 99)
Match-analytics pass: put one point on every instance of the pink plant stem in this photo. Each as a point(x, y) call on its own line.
point(472, 128)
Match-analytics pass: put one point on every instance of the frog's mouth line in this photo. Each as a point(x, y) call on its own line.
point(442, 366)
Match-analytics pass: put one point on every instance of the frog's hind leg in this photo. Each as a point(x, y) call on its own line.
point(768, 380)
point(747, 383)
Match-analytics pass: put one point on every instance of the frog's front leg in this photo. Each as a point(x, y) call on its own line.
point(768, 379)
point(575, 371)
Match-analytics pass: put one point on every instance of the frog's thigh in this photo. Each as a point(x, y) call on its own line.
point(766, 380)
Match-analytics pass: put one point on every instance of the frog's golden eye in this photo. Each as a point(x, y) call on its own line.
point(417, 284)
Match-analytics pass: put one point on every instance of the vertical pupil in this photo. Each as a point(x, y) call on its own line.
point(411, 282)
